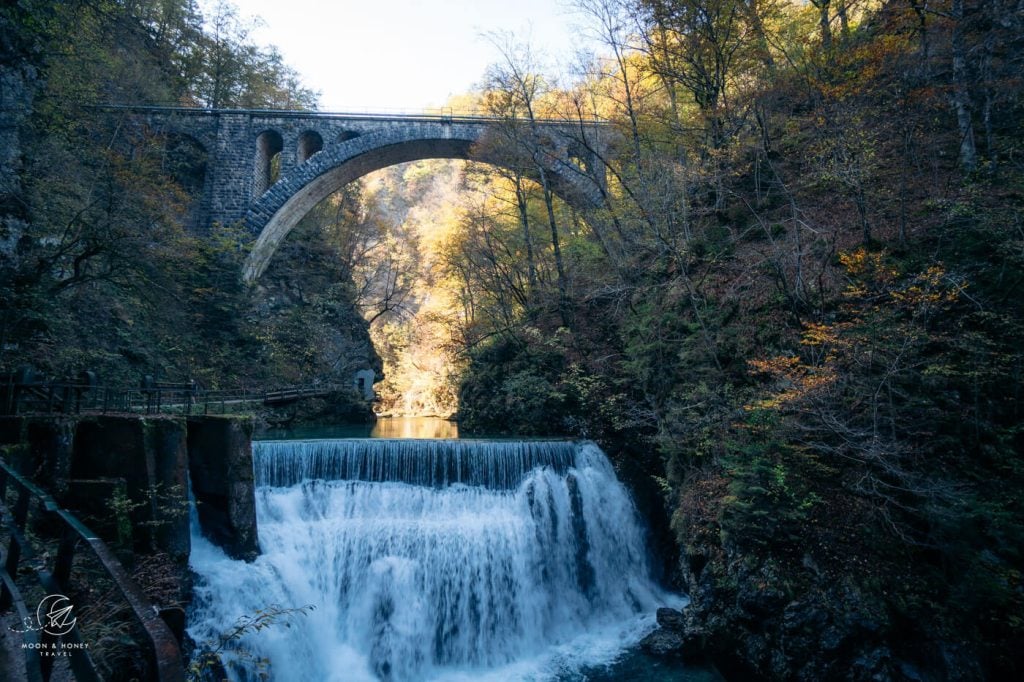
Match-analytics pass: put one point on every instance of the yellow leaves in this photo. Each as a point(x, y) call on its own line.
point(855, 261)
point(816, 334)
point(861, 263)
point(855, 291)
point(774, 366)
point(875, 281)
point(929, 288)
point(796, 380)
point(871, 273)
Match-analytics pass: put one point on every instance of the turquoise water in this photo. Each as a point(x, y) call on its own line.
point(385, 427)
point(636, 666)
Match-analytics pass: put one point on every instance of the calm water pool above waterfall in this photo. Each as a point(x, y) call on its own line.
point(438, 560)
point(384, 427)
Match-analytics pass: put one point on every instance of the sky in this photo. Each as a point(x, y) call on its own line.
point(406, 55)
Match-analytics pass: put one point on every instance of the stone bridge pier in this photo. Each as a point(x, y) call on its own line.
point(267, 169)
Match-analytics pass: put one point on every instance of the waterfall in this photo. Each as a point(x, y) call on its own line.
point(433, 560)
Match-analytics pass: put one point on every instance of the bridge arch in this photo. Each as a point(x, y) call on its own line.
point(273, 214)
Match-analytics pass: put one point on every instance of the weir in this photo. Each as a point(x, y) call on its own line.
point(434, 463)
point(433, 560)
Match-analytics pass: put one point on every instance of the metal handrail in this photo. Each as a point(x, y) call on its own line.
point(164, 649)
point(69, 397)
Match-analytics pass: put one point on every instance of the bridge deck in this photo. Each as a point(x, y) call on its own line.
point(441, 115)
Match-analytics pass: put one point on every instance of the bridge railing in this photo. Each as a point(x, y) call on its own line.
point(439, 114)
point(73, 398)
point(55, 573)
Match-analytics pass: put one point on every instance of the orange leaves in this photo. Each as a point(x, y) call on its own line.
point(795, 379)
point(797, 383)
point(884, 316)
point(816, 334)
point(862, 264)
point(860, 69)
point(776, 366)
point(872, 276)
point(928, 289)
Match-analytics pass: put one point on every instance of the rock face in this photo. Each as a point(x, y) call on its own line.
point(753, 630)
point(18, 81)
point(315, 329)
point(670, 638)
point(670, 619)
point(805, 611)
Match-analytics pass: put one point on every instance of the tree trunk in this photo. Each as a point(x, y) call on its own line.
point(524, 221)
point(844, 19)
point(961, 94)
point(861, 200)
point(563, 289)
point(757, 24)
point(824, 24)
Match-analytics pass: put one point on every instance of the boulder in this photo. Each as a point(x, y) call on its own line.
point(671, 619)
point(663, 642)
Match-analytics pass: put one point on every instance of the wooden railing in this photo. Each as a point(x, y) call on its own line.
point(161, 647)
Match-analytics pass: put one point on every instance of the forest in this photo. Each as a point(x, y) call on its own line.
point(794, 322)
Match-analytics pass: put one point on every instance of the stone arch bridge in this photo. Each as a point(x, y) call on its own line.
point(269, 168)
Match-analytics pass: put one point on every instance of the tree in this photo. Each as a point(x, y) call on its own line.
point(515, 91)
point(238, 74)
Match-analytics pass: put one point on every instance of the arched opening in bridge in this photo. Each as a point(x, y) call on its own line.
point(405, 301)
point(310, 142)
point(269, 146)
point(417, 237)
point(580, 157)
point(273, 216)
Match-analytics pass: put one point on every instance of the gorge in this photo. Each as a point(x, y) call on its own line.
point(767, 255)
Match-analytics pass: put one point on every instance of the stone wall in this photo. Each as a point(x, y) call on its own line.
point(107, 466)
point(148, 454)
point(220, 464)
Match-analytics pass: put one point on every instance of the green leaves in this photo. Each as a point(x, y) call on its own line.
point(209, 657)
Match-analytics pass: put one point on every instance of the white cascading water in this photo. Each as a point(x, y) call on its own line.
point(433, 560)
